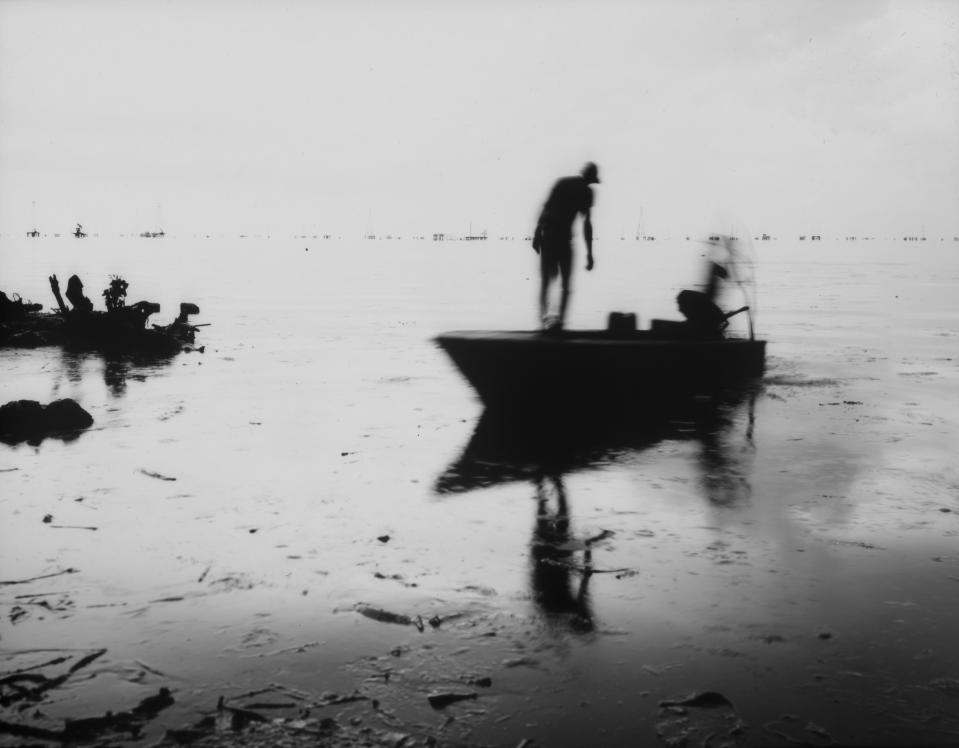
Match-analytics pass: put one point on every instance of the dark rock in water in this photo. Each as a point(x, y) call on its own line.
point(21, 418)
point(28, 420)
point(66, 415)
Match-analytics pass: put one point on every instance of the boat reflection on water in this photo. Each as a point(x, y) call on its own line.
point(507, 448)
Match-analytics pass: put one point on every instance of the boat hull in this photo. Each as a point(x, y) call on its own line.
point(598, 369)
point(93, 331)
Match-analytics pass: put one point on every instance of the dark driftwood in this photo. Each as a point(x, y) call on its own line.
point(55, 287)
point(42, 576)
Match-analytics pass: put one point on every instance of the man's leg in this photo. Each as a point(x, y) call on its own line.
point(543, 295)
point(547, 272)
point(565, 271)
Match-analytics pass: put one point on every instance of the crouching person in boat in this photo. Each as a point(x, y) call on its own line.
point(704, 318)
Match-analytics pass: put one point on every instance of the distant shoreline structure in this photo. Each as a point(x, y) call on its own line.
point(502, 236)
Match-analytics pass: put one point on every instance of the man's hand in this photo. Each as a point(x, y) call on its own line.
point(589, 263)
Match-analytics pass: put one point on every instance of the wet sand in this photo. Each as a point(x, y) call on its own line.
point(359, 529)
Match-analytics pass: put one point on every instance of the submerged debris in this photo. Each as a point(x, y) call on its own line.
point(383, 616)
point(705, 700)
point(69, 570)
point(129, 721)
point(444, 699)
point(483, 681)
point(158, 476)
point(703, 718)
point(29, 686)
point(790, 730)
point(121, 327)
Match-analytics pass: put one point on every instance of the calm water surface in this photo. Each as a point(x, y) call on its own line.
point(797, 551)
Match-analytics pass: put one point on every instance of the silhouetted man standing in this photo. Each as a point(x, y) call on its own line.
point(553, 239)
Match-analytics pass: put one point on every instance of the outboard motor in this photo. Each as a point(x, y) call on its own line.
point(186, 309)
point(142, 310)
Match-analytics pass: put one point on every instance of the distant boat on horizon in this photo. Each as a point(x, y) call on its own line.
point(370, 234)
point(78, 231)
point(155, 234)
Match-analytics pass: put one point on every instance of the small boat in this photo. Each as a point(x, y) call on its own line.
point(617, 369)
point(599, 369)
point(120, 329)
point(125, 331)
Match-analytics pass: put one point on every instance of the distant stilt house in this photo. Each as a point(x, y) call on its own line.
point(438, 237)
point(471, 237)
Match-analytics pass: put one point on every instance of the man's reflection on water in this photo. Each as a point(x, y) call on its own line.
point(560, 584)
point(505, 449)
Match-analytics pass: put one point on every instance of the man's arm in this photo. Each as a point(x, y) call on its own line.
point(538, 236)
point(588, 236)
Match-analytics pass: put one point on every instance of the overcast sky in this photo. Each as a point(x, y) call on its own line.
point(234, 117)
